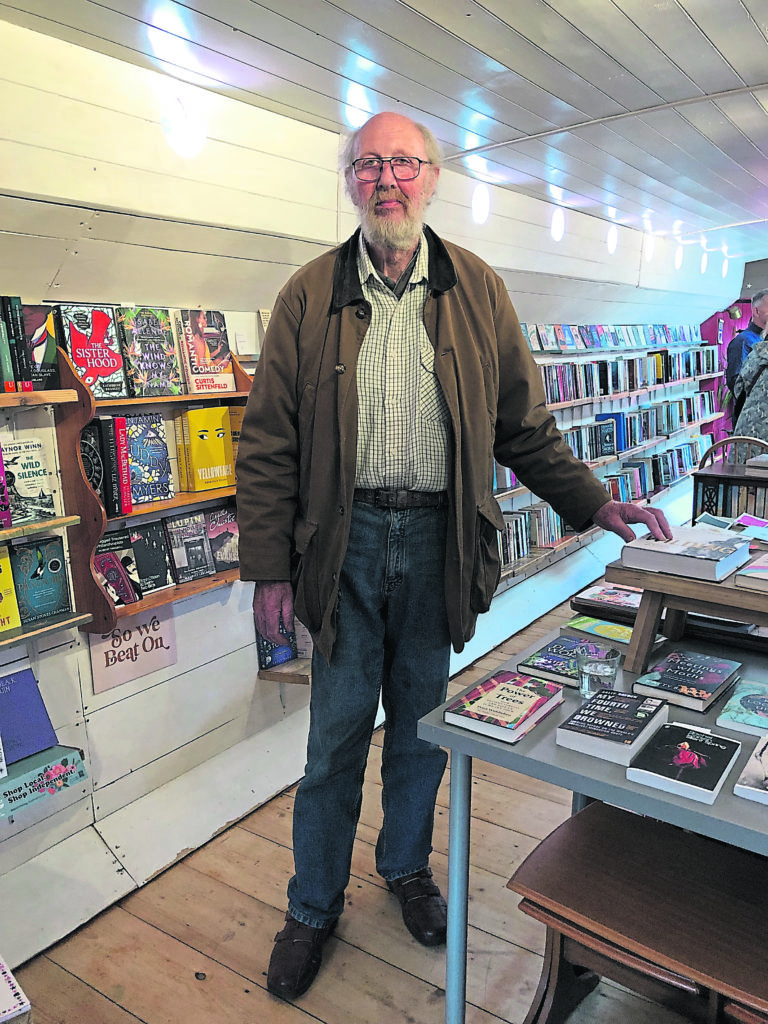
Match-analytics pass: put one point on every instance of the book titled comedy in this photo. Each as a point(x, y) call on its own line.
point(505, 707)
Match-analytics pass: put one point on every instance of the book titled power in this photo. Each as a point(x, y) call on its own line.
point(505, 707)
point(688, 678)
point(690, 762)
point(700, 552)
point(612, 725)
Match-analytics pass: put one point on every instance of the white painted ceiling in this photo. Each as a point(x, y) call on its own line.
point(650, 112)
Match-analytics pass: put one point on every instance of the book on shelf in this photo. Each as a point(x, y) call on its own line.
point(236, 413)
point(699, 552)
point(13, 1002)
point(149, 464)
point(547, 339)
point(91, 457)
point(10, 619)
point(746, 710)
point(681, 759)
point(556, 660)
point(25, 725)
point(114, 562)
point(153, 559)
point(91, 337)
point(204, 448)
point(688, 678)
point(271, 654)
point(29, 481)
point(608, 602)
point(221, 527)
point(150, 351)
point(5, 501)
point(754, 576)
point(11, 307)
point(40, 342)
point(592, 628)
point(505, 707)
point(757, 465)
point(39, 777)
point(40, 579)
point(752, 784)
point(612, 725)
point(113, 434)
point(189, 546)
point(202, 338)
point(7, 376)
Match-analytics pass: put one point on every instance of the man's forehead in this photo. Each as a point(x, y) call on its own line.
point(390, 137)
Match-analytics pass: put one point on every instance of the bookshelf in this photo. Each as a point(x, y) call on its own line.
point(78, 493)
point(727, 489)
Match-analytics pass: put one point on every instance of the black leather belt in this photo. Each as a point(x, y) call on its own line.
point(401, 499)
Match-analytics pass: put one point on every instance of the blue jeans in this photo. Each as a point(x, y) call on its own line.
point(392, 639)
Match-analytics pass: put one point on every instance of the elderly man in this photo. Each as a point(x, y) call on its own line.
point(393, 371)
point(741, 345)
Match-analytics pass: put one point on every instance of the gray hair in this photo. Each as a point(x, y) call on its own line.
point(431, 147)
point(758, 297)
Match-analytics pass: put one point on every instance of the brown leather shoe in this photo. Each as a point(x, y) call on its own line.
point(296, 958)
point(425, 912)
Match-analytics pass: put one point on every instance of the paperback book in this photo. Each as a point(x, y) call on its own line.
point(612, 725)
point(90, 335)
point(688, 679)
point(202, 338)
point(221, 527)
point(189, 546)
point(699, 552)
point(25, 726)
point(40, 341)
point(9, 606)
point(29, 481)
point(149, 464)
point(591, 628)
point(746, 710)
point(752, 784)
point(153, 559)
point(505, 707)
point(115, 565)
point(556, 660)
point(754, 576)
point(689, 762)
point(150, 351)
point(204, 448)
point(270, 654)
point(40, 579)
point(13, 1002)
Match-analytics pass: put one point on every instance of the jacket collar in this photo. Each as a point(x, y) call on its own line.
point(346, 281)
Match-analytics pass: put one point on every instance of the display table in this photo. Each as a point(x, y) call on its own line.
point(730, 819)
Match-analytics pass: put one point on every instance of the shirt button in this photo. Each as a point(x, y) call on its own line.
point(360, 313)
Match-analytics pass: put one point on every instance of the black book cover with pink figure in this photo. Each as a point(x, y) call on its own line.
point(681, 759)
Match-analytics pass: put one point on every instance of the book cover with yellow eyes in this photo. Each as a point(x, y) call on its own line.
point(204, 449)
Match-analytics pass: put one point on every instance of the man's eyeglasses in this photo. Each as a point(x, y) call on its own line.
point(404, 168)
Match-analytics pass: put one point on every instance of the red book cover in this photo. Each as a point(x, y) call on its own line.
point(123, 465)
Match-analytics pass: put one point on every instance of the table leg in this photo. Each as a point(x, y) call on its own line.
point(458, 888)
point(644, 630)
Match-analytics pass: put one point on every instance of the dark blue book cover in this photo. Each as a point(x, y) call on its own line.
point(40, 579)
point(270, 654)
point(148, 458)
point(25, 727)
point(153, 559)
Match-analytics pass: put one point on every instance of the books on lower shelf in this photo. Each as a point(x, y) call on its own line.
point(556, 660)
point(746, 710)
point(690, 762)
point(505, 707)
point(25, 726)
point(13, 1002)
point(115, 564)
point(752, 784)
point(754, 576)
point(221, 527)
point(204, 448)
point(40, 578)
point(153, 559)
point(149, 464)
point(699, 552)
point(688, 678)
point(41, 776)
point(612, 725)
point(9, 606)
point(591, 628)
point(30, 484)
point(189, 546)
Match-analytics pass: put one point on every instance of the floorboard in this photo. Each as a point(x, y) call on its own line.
point(192, 946)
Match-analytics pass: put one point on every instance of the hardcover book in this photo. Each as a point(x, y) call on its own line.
point(204, 448)
point(556, 660)
point(90, 335)
point(14, 323)
point(612, 725)
point(7, 374)
point(607, 602)
point(221, 527)
point(236, 413)
point(153, 559)
point(754, 576)
point(201, 335)
point(40, 341)
point(189, 546)
point(592, 628)
point(150, 351)
point(29, 481)
point(270, 654)
point(5, 503)
point(115, 564)
point(687, 678)
point(25, 726)
point(13, 1002)
point(91, 457)
point(752, 784)
point(10, 618)
point(148, 461)
point(505, 706)
point(40, 578)
point(699, 552)
point(681, 759)
point(746, 710)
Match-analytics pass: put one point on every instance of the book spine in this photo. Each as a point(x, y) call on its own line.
point(182, 454)
point(106, 427)
point(5, 506)
point(123, 465)
point(7, 376)
point(19, 353)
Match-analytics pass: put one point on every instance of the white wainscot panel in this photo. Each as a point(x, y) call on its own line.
point(25, 843)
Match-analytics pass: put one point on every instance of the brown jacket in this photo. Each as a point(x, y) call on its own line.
point(296, 459)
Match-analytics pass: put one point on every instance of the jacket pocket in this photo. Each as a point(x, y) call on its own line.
point(304, 575)
point(486, 570)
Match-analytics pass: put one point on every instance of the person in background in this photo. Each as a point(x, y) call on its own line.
point(741, 344)
point(751, 393)
point(392, 373)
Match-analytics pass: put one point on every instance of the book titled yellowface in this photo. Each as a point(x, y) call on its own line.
point(207, 444)
point(9, 608)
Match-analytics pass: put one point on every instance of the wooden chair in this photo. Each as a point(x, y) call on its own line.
point(735, 449)
point(673, 915)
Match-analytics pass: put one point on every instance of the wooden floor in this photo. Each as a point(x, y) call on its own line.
point(192, 946)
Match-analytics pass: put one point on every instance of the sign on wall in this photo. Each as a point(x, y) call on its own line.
point(137, 646)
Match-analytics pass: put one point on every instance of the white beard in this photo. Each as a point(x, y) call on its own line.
point(383, 232)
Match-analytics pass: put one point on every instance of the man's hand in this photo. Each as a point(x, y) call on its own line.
point(615, 515)
point(271, 598)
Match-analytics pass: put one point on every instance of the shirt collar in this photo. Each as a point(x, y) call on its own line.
point(419, 273)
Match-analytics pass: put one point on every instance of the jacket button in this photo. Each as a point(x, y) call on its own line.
point(340, 510)
point(340, 368)
point(360, 313)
